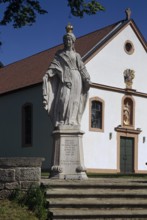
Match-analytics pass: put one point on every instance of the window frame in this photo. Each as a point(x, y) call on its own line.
point(102, 114)
point(131, 50)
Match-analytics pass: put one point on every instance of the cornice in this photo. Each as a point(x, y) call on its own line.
point(128, 130)
point(118, 90)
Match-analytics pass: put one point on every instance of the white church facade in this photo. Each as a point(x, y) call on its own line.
point(114, 121)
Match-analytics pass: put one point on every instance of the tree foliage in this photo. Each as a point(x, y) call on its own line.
point(23, 12)
point(81, 7)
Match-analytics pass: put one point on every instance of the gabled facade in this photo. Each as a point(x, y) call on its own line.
point(114, 121)
point(116, 145)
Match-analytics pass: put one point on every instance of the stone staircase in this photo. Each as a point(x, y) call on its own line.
point(101, 198)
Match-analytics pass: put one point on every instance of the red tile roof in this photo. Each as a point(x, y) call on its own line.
point(29, 71)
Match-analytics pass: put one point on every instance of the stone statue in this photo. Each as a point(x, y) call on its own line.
point(126, 114)
point(66, 84)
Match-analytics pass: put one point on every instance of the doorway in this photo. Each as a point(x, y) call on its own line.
point(126, 155)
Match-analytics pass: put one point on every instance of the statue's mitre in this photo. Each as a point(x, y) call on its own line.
point(69, 28)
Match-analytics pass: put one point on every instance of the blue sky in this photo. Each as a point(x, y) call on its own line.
point(50, 28)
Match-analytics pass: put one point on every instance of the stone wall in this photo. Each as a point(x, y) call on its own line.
point(19, 173)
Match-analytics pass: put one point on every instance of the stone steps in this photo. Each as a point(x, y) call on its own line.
point(97, 203)
point(87, 213)
point(97, 198)
point(97, 192)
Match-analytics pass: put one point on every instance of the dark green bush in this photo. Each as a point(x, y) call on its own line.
point(35, 200)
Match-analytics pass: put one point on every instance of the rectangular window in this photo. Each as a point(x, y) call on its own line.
point(96, 114)
point(27, 124)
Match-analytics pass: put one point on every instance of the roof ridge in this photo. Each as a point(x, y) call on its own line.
point(58, 45)
point(113, 24)
point(116, 25)
point(30, 70)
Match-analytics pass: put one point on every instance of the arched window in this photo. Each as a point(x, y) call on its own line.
point(128, 111)
point(96, 122)
point(27, 125)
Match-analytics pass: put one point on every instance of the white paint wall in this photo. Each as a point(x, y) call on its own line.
point(108, 65)
point(141, 118)
point(107, 68)
point(99, 151)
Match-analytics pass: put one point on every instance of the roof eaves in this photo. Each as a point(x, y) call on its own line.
point(120, 25)
point(139, 34)
point(7, 92)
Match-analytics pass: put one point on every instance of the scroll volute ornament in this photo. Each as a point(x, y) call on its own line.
point(129, 75)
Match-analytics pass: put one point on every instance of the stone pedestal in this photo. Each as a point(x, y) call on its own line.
point(68, 160)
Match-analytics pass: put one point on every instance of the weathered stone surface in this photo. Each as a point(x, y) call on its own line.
point(68, 155)
point(66, 87)
point(1, 185)
point(27, 184)
point(18, 173)
point(5, 194)
point(21, 161)
point(14, 185)
point(28, 174)
point(7, 175)
point(98, 198)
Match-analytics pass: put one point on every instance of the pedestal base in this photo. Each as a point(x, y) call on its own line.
point(68, 155)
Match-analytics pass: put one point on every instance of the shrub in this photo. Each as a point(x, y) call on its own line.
point(34, 199)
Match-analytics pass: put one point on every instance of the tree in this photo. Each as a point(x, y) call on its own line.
point(23, 12)
point(80, 7)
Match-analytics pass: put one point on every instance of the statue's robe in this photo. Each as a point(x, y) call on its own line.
point(65, 89)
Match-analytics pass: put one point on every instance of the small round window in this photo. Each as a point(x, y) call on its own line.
point(129, 47)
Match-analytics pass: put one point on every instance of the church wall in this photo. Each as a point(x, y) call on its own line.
point(11, 126)
point(108, 65)
point(100, 152)
point(107, 68)
point(141, 117)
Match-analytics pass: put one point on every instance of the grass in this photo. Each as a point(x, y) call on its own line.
point(45, 174)
point(95, 175)
point(28, 205)
point(10, 210)
point(34, 199)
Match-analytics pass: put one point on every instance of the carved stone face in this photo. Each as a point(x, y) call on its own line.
point(68, 41)
point(71, 35)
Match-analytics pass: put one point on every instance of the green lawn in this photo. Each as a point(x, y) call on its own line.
point(10, 210)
